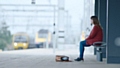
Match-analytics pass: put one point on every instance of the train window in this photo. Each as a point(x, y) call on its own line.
point(20, 39)
point(42, 35)
point(16, 40)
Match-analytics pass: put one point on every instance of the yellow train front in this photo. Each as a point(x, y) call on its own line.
point(42, 38)
point(20, 41)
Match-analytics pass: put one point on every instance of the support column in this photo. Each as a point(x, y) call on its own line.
point(96, 14)
point(102, 18)
point(113, 31)
point(100, 12)
point(96, 8)
point(61, 25)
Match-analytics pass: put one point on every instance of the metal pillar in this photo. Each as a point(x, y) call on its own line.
point(113, 31)
point(61, 24)
point(54, 33)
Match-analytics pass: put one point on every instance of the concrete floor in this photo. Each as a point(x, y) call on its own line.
point(42, 58)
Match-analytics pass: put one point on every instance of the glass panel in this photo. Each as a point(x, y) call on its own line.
point(20, 39)
point(42, 35)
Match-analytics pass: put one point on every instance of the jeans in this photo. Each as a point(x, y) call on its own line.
point(81, 49)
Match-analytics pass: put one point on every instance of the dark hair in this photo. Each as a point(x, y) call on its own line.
point(94, 17)
point(96, 21)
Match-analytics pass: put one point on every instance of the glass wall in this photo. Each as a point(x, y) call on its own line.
point(86, 22)
point(19, 18)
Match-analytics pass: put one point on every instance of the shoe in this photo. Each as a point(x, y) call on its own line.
point(79, 59)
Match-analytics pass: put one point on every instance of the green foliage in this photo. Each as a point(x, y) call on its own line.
point(5, 35)
point(5, 39)
point(2, 44)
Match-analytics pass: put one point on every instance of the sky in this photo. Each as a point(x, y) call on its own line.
point(74, 7)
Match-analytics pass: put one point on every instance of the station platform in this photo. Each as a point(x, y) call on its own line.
point(45, 58)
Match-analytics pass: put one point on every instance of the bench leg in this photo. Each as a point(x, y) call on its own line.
point(99, 56)
point(95, 51)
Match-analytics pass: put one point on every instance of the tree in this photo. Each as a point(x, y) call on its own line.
point(5, 36)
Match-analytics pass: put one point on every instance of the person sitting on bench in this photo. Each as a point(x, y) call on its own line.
point(96, 35)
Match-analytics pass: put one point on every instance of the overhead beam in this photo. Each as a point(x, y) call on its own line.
point(27, 5)
point(28, 16)
point(22, 10)
point(31, 25)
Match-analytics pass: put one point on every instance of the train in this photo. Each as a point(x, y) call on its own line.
point(20, 40)
point(43, 38)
